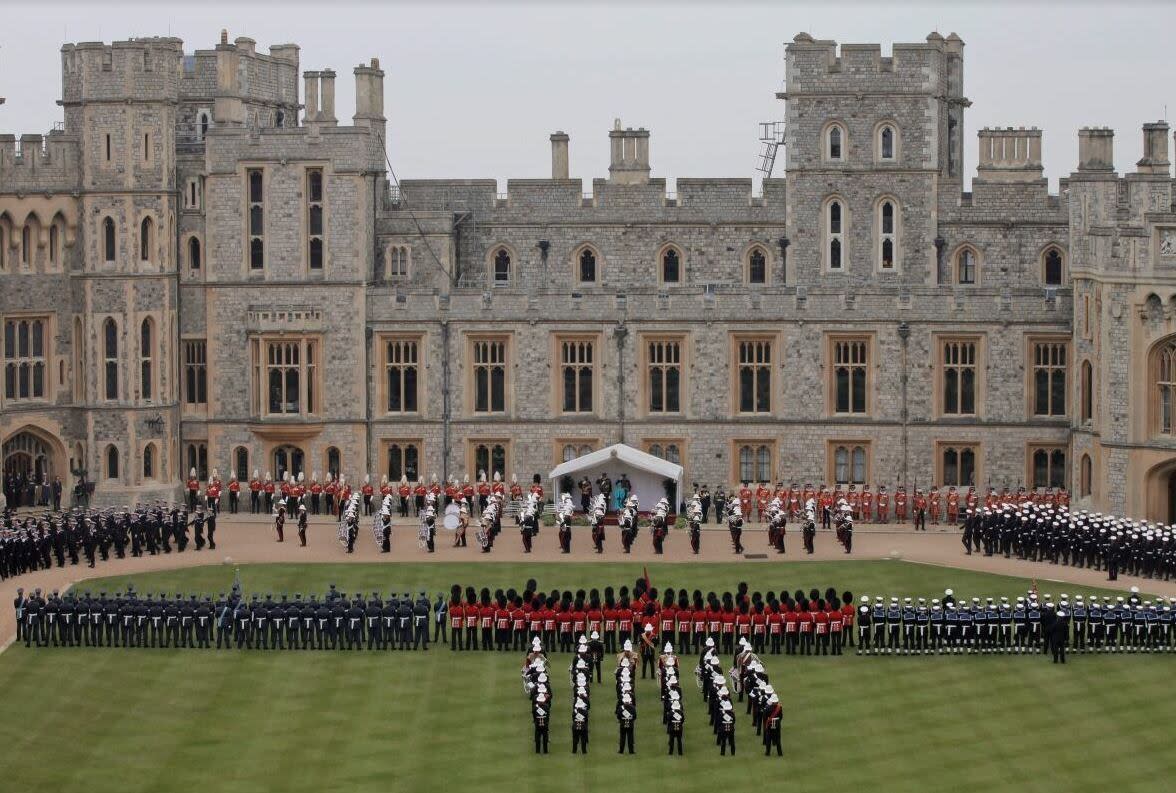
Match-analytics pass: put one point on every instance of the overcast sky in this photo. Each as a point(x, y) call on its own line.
point(474, 91)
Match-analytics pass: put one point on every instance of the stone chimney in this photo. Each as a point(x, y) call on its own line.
point(246, 45)
point(1096, 149)
point(1009, 155)
point(369, 97)
point(327, 97)
point(1155, 149)
point(227, 107)
point(630, 155)
point(559, 155)
point(311, 112)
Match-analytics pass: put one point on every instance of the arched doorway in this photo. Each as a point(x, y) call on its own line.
point(288, 460)
point(1171, 498)
point(30, 458)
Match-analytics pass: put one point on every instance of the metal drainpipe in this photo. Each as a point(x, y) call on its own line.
point(619, 334)
point(445, 406)
point(904, 335)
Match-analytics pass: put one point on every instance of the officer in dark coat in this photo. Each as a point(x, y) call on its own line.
point(1060, 636)
point(420, 622)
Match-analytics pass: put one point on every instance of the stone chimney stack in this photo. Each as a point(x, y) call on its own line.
point(1096, 149)
point(559, 155)
point(369, 98)
point(630, 155)
point(327, 97)
point(1155, 149)
point(312, 95)
point(227, 107)
point(1009, 155)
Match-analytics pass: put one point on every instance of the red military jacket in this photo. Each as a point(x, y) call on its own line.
point(214, 489)
point(420, 491)
point(193, 485)
point(762, 496)
point(516, 491)
point(807, 494)
point(936, 499)
point(451, 492)
point(331, 488)
point(435, 489)
point(497, 487)
point(367, 489)
point(483, 489)
point(920, 501)
point(315, 488)
point(971, 499)
point(900, 500)
point(537, 490)
point(234, 486)
point(385, 489)
point(468, 492)
point(254, 486)
point(745, 496)
point(404, 491)
point(268, 486)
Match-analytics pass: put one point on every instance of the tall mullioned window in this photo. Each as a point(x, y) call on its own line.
point(110, 357)
point(754, 383)
point(755, 462)
point(1165, 388)
point(887, 234)
point(489, 375)
point(1049, 378)
point(671, 266)
point(757, 266)
point(851, 363)
point(314, 218)
point(849, 464)
point(835, 235)
point(958, 361)
point(586, 266)
point(491, 457)
point(255, 180)
point(501, 263)
point(195, 371)
point(664, 371)
point(402, 372)
point(25, 360)
point(285, 376)
point(403, 461)
point(958, 465)
point(577, 368)
point(147, 359)
point(1048, 467)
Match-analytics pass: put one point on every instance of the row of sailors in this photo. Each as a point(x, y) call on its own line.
point(34, 543)
point(1078, 539)
point(749, 680)
point(879, 506)
point(1030, 624)
point(126, 619)
point(797, 624)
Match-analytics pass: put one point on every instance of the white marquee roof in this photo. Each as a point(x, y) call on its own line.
point(599, 460)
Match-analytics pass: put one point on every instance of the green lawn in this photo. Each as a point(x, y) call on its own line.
point(161, 720)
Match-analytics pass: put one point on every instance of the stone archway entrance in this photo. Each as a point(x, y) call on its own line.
point(1171, 514)
point(30, 458)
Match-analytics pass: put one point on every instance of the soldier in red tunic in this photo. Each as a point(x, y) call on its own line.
point(404, 492)
point(935, 504)
point(763, 494)
point(516, 490)
point(971, 499)
point(900, 505)
point(254, 494)
point(867, 504)
point(467, 492)
point(883, 505)
point(367, 490)
point(537, 491)
point(745, 498)
point(234, 494)
point(212, 493)
point(953, 505)
point(483, 492)
point(855, 502)
point(385, 488)
point(920, 504)
point(193, 489)
point(267, 488)
point(825, 504)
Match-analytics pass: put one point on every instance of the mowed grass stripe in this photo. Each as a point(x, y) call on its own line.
point(168, 720)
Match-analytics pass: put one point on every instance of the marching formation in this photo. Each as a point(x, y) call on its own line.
point(1029, 624)
point(750, 681)
point(38, 542)
point(1054, 534)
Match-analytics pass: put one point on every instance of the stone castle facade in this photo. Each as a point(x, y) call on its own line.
point(203, 268)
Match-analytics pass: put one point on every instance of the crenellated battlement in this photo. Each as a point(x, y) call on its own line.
point(35, 162)
point(819, 65)
point(140, 69)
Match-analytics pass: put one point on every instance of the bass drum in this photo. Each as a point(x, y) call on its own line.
point(451, 518)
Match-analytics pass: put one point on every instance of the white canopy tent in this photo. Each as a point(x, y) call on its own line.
point(646, 473)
